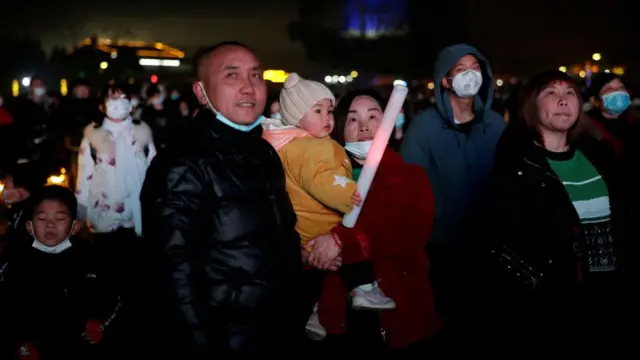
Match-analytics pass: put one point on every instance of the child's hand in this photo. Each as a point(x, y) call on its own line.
point(356, 199)
point(93, 332)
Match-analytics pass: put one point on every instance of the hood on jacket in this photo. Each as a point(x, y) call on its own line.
point(447, 58)
point(279, 134)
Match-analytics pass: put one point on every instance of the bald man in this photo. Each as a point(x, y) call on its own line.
point(217, 215)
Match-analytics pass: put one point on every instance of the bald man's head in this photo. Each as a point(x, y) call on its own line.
point(230, 80)
point(204, 56)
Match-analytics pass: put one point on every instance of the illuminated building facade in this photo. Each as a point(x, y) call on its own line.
point(377, 36)
point(151, 54)
point(373, 19)
point(109, 60)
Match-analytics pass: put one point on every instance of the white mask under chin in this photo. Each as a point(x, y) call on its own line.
point(359, 149)
point(64, 245)
point(467, 83)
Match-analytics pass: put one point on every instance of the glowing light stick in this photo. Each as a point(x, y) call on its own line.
point(380, 141)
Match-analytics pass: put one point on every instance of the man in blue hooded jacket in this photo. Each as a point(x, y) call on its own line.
point(455, 141)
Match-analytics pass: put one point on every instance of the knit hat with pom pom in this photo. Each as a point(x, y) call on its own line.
point(299, 95)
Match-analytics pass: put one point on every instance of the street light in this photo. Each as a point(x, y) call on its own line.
point(104, 65)
point(563, 68)
point(596, 57)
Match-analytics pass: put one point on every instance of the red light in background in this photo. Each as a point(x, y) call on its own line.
point(154, 79)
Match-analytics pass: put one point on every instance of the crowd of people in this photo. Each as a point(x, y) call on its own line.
point(201, 230)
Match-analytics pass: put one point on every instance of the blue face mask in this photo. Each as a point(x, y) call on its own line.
point(244, 128)
point(400, 120)
point(175, 96)
point(224, 120)
point(616, 102)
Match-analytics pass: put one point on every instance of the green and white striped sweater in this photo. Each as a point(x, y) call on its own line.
point(590, 197)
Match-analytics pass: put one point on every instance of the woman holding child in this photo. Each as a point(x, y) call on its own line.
point(393, 222)
point(388, 239)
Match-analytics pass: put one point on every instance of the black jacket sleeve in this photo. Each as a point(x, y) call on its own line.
point(174, 202)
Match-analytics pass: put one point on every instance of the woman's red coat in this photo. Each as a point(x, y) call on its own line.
point(392, 230)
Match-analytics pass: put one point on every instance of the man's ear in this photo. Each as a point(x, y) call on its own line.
point(445, 83)
point(75, 227)
point(29, 226)
point(101, 107)
point(200, 95)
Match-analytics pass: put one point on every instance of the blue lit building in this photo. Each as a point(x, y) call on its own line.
point(397, 37)
point(376, 18)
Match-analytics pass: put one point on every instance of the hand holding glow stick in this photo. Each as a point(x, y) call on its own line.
point(380, 141)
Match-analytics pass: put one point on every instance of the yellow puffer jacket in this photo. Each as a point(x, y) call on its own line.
point(319, 184)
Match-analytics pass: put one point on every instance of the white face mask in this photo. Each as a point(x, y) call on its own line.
point(135, 102)
point(467, 84)
point(39, 91)
point(358, 149)
point(276, 116)
point(118, 109)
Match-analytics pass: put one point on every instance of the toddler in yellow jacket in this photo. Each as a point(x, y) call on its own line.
point(319, 176)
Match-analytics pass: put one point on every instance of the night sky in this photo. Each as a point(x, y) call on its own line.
point(548, 31)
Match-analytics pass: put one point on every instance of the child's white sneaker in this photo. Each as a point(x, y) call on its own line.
point(315, 331)
point(370, 297)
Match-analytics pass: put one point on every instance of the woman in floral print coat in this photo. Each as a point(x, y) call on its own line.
point(113, 159)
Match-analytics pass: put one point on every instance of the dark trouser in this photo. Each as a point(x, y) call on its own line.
point(452, 279)
point(356, 274)
point(116, 252)
point(118, 256)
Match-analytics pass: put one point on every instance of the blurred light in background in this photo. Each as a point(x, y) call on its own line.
point(104, 65)
point(275, 76)
point(26, 81)
point(159, 62)
point(563, 68)
point(618, 70)
point(15, 88)
point(154, 79)
point(64, 89)
point(342, 79)
point(59, 179)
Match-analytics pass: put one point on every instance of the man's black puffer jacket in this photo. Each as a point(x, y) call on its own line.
point(219, 221)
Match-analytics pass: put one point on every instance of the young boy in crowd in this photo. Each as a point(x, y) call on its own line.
point(54, 305)
point(318, 175)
